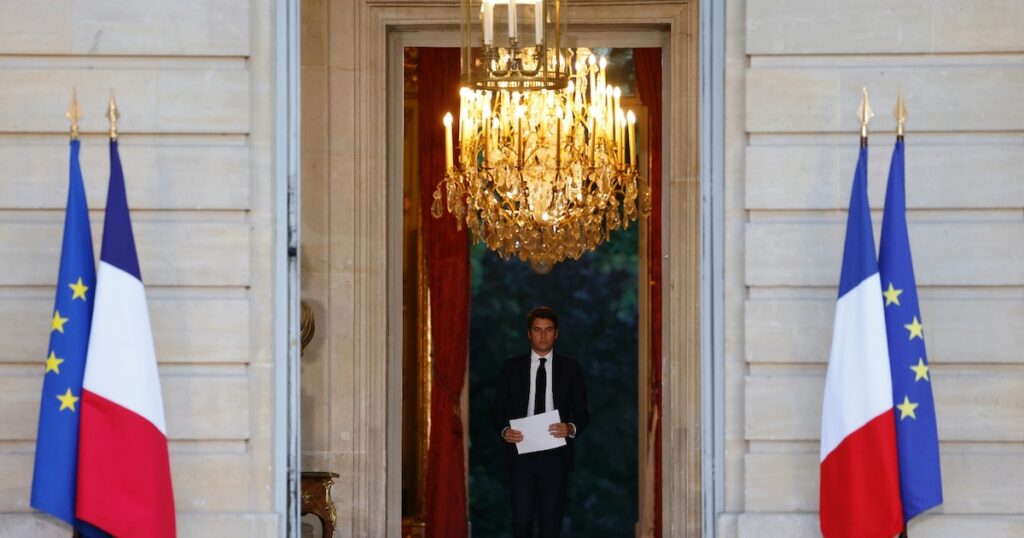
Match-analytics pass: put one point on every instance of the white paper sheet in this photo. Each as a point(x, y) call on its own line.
point(535, 432)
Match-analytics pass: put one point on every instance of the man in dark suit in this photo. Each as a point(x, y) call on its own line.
point(530, 384)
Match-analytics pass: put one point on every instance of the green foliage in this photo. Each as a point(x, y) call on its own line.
point(596, 301)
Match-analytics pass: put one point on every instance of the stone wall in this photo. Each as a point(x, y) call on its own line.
point(194, 81)
point(794, 73)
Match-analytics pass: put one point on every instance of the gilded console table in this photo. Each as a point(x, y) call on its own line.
point(316, 499)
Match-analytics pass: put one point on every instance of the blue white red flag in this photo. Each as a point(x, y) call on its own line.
point(860, 494)
point(917, 437)
point(124, 479)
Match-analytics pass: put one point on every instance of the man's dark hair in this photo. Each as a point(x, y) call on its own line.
point(542, 312)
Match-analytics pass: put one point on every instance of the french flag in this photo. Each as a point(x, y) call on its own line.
point(860, 485)
point(124, 478)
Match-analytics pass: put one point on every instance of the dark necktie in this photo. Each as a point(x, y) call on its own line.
point(541, 389)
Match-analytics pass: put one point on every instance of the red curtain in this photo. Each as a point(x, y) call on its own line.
point(447, 261)
point(647, 62)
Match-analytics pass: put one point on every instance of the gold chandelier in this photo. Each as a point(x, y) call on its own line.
point(542, 174)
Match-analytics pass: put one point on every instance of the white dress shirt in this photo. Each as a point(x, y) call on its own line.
point(549, 400)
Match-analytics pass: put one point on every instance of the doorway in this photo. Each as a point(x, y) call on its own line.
point(352, 244)
point(604, 300)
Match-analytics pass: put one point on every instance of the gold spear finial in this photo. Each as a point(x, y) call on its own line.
point(900, 113)
point(864, 113)
point(73, 113)
point(113, 114)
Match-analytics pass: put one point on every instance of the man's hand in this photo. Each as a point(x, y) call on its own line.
point(560, 429)
point(512, 436)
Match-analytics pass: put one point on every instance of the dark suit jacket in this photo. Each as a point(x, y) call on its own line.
point(569, 392)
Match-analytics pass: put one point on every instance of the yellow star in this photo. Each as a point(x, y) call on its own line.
point(78, 289)
point(57, 324)
point(892, 295)
point(915, 328)
point(921, 370)
point(52, 363)
point(67, 401)
point(907, 409)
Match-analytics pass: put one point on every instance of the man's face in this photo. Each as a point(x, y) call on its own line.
point(543, 335)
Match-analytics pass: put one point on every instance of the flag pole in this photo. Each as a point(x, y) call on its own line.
point(865, 114)
point(901, 118)
point(113, 113)
point(901, 115)
point(73, 113)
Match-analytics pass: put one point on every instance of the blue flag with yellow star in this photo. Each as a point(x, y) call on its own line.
point(917, 438)
point(53, 480)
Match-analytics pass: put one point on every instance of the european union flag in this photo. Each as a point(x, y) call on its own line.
point(53, 481)
point(917, 437)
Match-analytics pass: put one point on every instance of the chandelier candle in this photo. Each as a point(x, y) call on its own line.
point(538, 22)
point(487, 8)
point(448, 140)
point(512, 20)
point(631, 120)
